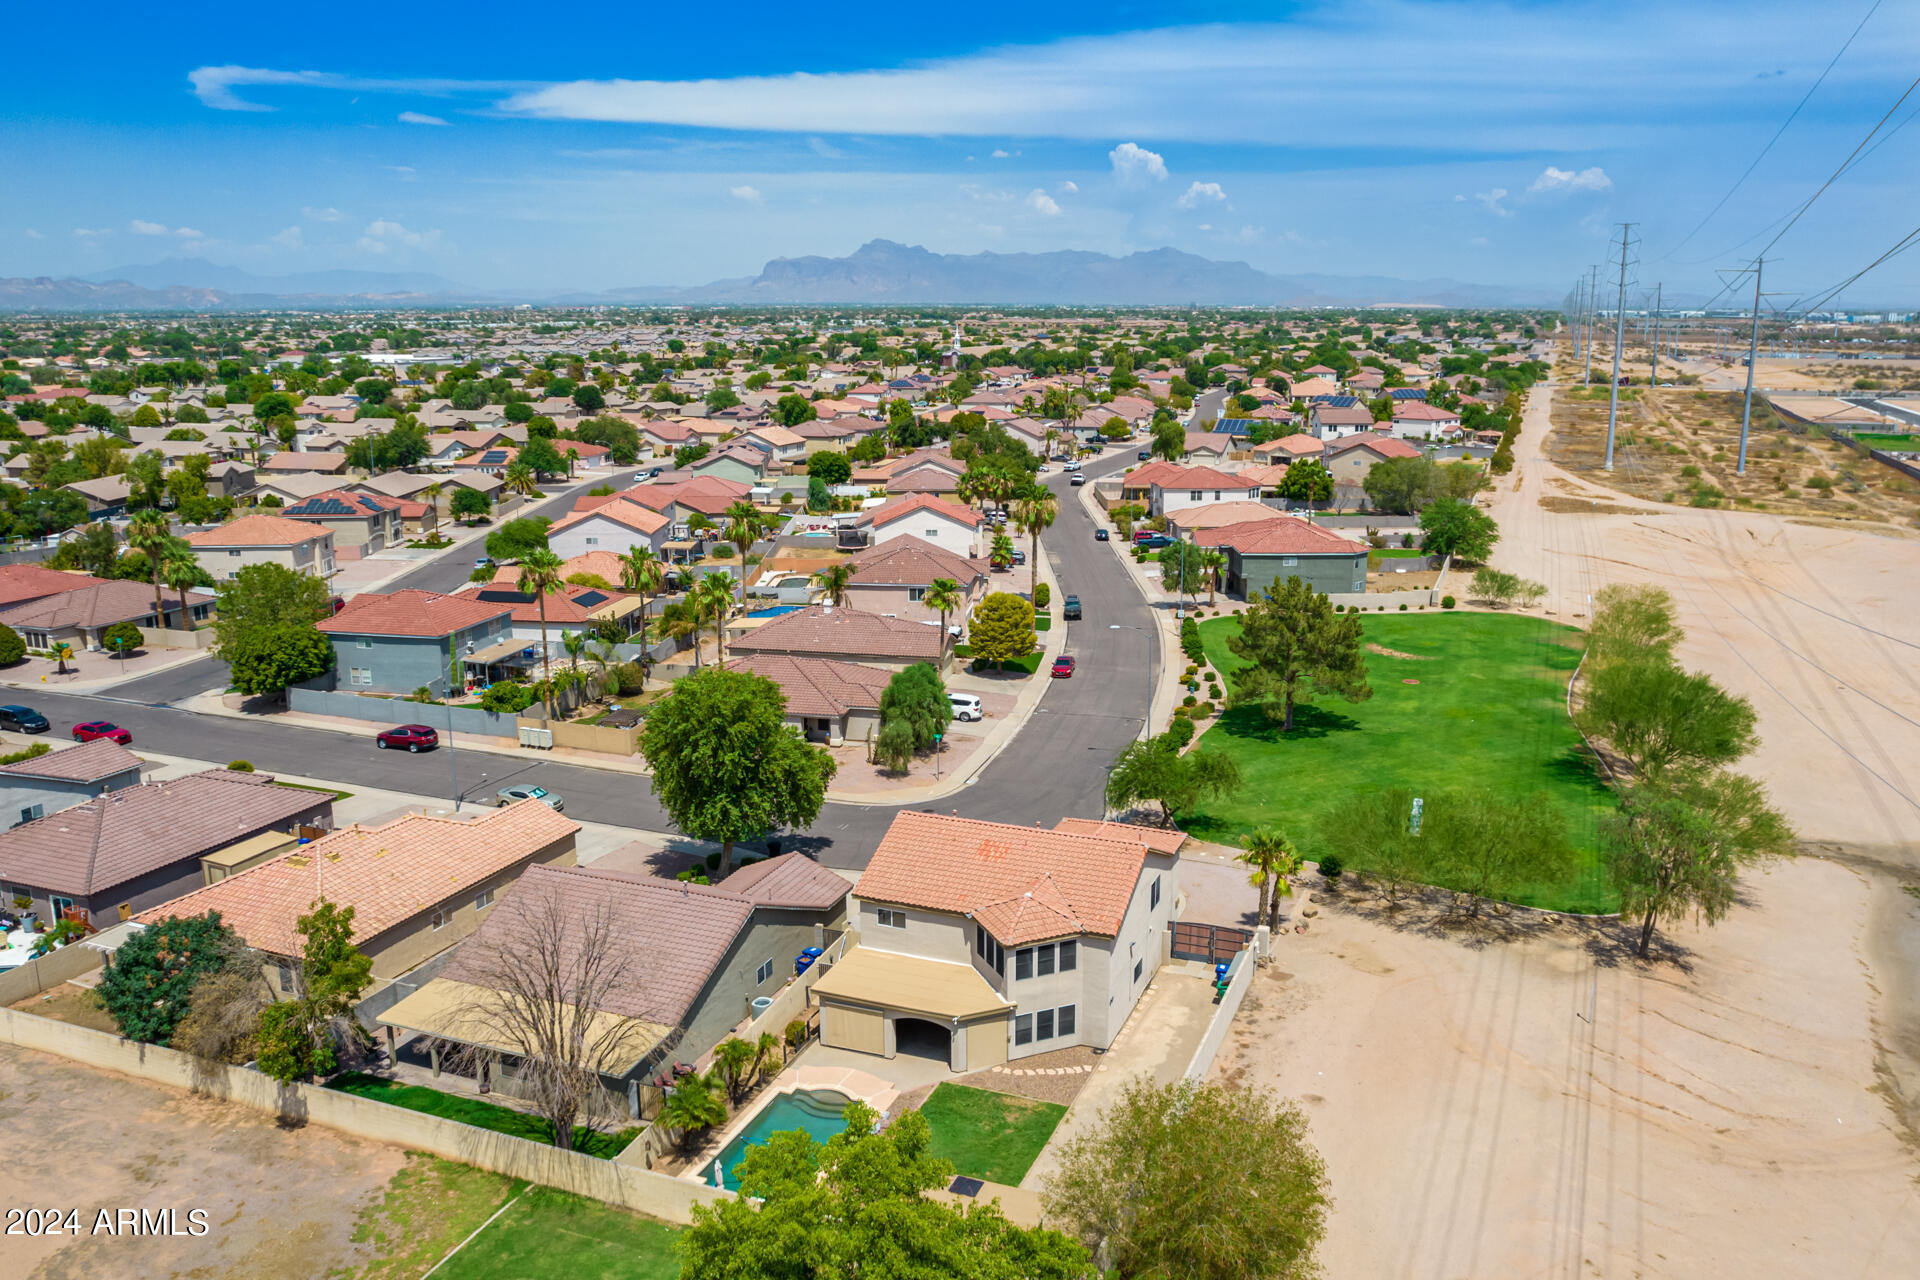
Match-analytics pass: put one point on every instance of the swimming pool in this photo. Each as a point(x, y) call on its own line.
point(815, 1111)
point(774, 611)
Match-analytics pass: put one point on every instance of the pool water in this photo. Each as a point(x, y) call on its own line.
point(774, 612)
point(817, 1112)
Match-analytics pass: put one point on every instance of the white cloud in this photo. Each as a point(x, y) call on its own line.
point(404, 171)
point(383, 234)
point(31, 234)
point(1552, 179)
point(141, 227)
point(1200, 193)
point(321, 215)
point(998, 154)
point(417, 117)
point(749, 194)
point(215, 86)
point(188, 233)
point(1069, 187)
point(291, 238)
point(1491, 199)
point(92, 233)
point(1134, 164)
point(1042, 203)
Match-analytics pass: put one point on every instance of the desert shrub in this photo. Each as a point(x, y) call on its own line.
point(240, 766)
point(1446, 602)
point(1203, 712)
point(1042, 595)
point(628, 678)
point(1188, 701)
point(1331, 866)
point(1181, 731)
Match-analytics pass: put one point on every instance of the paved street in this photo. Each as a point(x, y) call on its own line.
point(1056, 767)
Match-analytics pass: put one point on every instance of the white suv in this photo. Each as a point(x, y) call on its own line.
point(966, 706)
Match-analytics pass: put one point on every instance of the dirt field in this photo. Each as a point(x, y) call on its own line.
point(1720, 1116)
point(279, 1203)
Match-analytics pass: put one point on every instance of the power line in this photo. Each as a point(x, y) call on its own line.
point(1775, 138)
point(1900, 246)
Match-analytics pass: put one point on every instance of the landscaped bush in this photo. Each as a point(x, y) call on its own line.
point(507, 698)
point(1042, 595)
point(1203, 712)
point(240, 766)
point(1190, 640)
point(1331, 866)
point(1181, 731)
point(1446, 602)
point(1188, 701)
point(12, 647)
point(1403, 608)
point(628, 678)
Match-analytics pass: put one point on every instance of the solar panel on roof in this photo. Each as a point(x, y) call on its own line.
point(496, 596)
point(591, 599)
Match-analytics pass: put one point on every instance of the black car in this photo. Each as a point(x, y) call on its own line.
point(1070, 609)
point(23, 720)
point(1144, 454)
point(1099, 535)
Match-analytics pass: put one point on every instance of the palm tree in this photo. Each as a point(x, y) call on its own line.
point(148, 532)
point(182, 570)
point(1272, 858)
point(518, 478)
point(836, 578)
point(540, 578)
point(575, 643)
point(744, 526)
point(1213, 560)
point(432, 494)
point(640, 571)
point(944, 595)
point(767, 1050)
point(692, 1107)
point(683, 619)
point(715, 597)
point(1032, 515)
point(62, 651)
point(733, 1061)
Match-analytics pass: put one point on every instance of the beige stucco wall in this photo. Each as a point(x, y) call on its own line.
point(307, 557)
point(933, 935)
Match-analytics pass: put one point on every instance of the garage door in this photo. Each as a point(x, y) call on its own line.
point(863, 1030)
point(986, 1043)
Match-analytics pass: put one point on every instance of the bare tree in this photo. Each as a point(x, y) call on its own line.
point(541, 991)
point(225, 1011)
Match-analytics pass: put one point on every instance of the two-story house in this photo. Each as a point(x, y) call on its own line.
point(1197, 486)
point(263, 539)
point(984, 942)
point(400, 641)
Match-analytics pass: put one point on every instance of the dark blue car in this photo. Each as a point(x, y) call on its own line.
point(23, 720)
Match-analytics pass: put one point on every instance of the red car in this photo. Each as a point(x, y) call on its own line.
point(93, 729)
point(1063, 667)
point(414, 737)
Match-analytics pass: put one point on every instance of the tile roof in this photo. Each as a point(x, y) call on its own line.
point(619, 510)
point(88, 762)
point(823, 631)
point(127, 833)
point(333, 504)
point(1287, 536)
point(1384, 445)
point(818, 686)
point(893, 509)
point(709, 495)
point(1204, 478)
point(1297, 446)
point(257, 531)
point(1421, 411)
point(1144, 476)
point(94, 604)
point(20, 582)
point(923, 478)
point(387, 874)
point(674, 934)
point(1334, 415)
point(910, 560)
point(1158, 839)
point(791, 880)
point(288, 460)
point(410, 613)
point(1025, 884)
point(1213, 515)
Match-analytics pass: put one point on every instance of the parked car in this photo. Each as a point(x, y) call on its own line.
point(94, 729)
point(551, 799)
point(1070, 609)
point(23, 720)
point(1077, 480)
point(1063, 667)
point(1144, 454)
point(413, 737)
point(1100, 535)
point(1071, 466)
point(1150, 538)
point(966, 706)
point(484, 562)
point(1019, 556)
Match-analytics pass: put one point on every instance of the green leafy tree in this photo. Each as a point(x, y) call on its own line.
point(1664, 720)
point(1457, 528)
point(1156, 772)
point(296, 1036)
point(1169, 440)
point(1183, 568)
point(1001, 629)
point(893, 746)
point(1489, 845)
point(1680, 843)
point(268, 595)
point(856, 1206)
point(469, 504)
point(267, 660)
point(274, 404)
point(692, 1107)
point(148, 985)
point(1307, 480)
point(793, 409)
point(1141, 1186)
point(1372, 831)
point(917, 698)
point(12, 647)
point(722, 397)
point(830, 467)
point(519, 538)
point(542, 458)
point(1300, 649)
point(589, 397)
point(725, 763)
point(122, 638)
point(1632, 623)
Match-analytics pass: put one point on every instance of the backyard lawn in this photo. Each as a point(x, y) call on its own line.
point(548, 1233)
point(994, 1136)
point(1460, 700)
point(482, 1115)
point(1890, 443)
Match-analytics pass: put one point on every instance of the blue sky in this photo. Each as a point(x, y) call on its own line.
point(595, 146)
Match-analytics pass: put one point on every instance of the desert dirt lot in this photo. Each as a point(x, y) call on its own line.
point(279, 1203)
point(1720, 1114)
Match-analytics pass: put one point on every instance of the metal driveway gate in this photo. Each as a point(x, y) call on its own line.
point(1212, 943)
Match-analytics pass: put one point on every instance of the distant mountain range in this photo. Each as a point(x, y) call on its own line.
point(879, 273)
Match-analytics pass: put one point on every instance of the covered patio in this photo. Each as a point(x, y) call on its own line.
point(885, 1003)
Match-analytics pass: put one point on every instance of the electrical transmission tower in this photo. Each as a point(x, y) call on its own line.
point(1619, 335)
point(1753, 358)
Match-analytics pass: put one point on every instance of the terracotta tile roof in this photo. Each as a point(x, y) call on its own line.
point(1212, 515)
point(1265, 475)
point(779, 437)
point(1204, 478)
point(605, 565)
point(674, 934)
point(823, 631)
point(337, 504)
point(818, 686)
point(1384, 445)
point(924, 478)
point(257, 531)
point(910, 560)
point(20, 582)
point(387, 874)
point(410, 613)
point(1421, 411)
point(573, 604)
point(1158, 839)
point(1025, 884)
point(128, 833)
point(709, 495)
point(94, 604)
point(1287, 536)
point(791, 880)
point(288, 460)
point(1156, 472)
point(88, 762)
point(619, 510)
point(887, 512)
point(1298, 446)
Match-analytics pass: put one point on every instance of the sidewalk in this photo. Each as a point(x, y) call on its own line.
point(96, 672)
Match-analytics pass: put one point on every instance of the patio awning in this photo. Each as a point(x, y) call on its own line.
point(498, 652)
point(910, 984)
point(457, 1011)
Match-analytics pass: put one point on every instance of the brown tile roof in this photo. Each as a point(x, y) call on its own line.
point(1025, 884)
point(709, 495)
point(925, 478)
point(674, 934)
point(620, 511)
point(818, 686)
point(319, 461)
point(257, 531)
point(1343, 416)
point(88, 762)
point(791, 880)
point(894, 509)
point(20, 582)
point(1298, 446)
point(823, 631)
point(1421, 411)
point(127, 833)
point(1159, 471)
point(1202, 478)
point(410, 613)
point(1158, 839)
point(1384, 445)
point(1287, 536)
point(387, 874)
point(910, 560)
point(1212, 515)
point(94, 604)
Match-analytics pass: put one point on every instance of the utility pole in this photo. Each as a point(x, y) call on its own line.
point(1753, 345)
point(1653, 348)
point(1619, 327)
point(1593, 314)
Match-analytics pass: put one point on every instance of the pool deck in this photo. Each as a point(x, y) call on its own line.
point(857, 1085)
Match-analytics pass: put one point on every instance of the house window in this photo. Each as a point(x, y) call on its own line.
point(1193, 495)
point(1023, 964)
point(32, 812)
point(989, 950)
point(1043, 960)
point(593, 542)
point(439, 919)
point(360, 675)
point(916, 594)
point(1153, 894)
point(1043, 1025)
point(284, 972)
point(764, 972)
point(1023, 1028)
point(933, 533)
point(889, 918)
point(233, 555)
point(1137, 964)
point(363, 644)
point(483, 900)
point(60, 906)
point(1065, 1020)
point(1069, 956)
point(1287, 562)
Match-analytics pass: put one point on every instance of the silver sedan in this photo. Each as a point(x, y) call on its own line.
point(552, 799)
